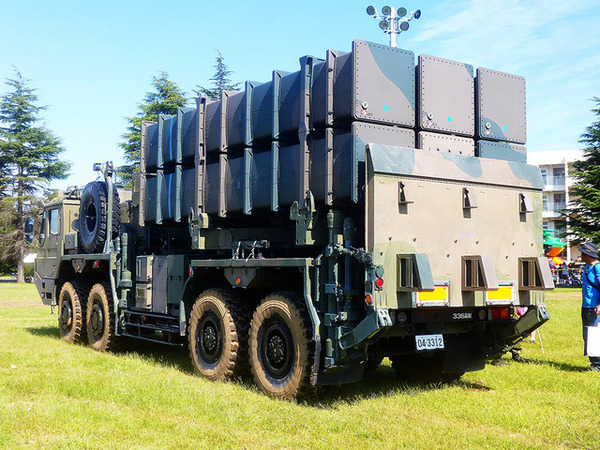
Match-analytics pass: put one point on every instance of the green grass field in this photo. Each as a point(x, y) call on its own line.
point(57, 395)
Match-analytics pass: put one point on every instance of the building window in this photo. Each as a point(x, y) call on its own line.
point(545, 175)
point(546, 225)
point(559, 176)
point(561, 229)
point(559, 202)
point(544, 202)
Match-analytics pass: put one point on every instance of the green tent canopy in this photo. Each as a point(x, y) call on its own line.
point(551, 241)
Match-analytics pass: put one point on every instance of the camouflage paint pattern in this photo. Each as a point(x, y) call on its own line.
point(446, 96)
point(501, 106)
point(375, 83)
point(501, 150)
point(435, 221)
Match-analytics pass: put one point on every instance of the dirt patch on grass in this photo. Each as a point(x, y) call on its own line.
point(564, 294)
point(21, 303)
point(19, 295)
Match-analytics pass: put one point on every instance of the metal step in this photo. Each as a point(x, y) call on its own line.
point(155, 322)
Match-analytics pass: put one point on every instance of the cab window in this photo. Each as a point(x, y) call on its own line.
point(54, 221)
point(42, 238)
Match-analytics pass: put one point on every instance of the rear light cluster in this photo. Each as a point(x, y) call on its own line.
point(373, 283)
point(499, 314)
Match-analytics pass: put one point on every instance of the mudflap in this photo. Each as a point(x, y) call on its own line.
point(464, 352)
point(349, 373)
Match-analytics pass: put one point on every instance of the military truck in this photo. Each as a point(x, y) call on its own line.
point(364, 206)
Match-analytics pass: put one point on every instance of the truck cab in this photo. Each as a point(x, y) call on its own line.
point(57, 237)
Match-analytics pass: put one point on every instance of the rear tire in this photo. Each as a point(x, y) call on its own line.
point(100, 318)
point(218, 335)
point(72, 308)
point(281, 347)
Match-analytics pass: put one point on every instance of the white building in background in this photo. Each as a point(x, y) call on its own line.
point(555, 166)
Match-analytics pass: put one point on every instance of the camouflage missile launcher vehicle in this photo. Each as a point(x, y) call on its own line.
point(365, 206)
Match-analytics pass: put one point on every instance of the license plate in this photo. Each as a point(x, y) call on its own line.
point(430, 342)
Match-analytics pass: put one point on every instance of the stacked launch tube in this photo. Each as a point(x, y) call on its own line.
point(261, 149)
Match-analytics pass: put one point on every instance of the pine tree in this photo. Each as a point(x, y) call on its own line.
point(220, 81)
point(29, 160)
point(584, 210)
point(165, 99)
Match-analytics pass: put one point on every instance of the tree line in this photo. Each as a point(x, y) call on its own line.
point(165, 99)
point(30, 158)
point(31, 154)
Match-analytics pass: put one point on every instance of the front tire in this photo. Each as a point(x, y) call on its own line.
point(281, 350)
point(71, 307)
point(218, 335)
point(100, 318)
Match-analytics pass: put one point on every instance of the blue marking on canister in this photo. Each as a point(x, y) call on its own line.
point(171, 142)
point(169, 201)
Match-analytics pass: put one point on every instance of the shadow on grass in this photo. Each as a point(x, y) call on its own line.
point(556, 365)
point(174, 356)
point(171, 356)
point(379, 383)
point(44, 331)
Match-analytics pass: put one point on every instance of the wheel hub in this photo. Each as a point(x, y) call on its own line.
point(91, 217)
point(209, 342)
point(97, 320)
point(209, 339)
point(278, 349)
point(66, 316)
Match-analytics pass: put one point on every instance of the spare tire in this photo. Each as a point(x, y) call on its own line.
point(93, 222)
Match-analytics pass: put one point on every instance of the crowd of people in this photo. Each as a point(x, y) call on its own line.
point(567, 273)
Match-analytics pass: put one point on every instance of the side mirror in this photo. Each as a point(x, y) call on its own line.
point(28, 230)
point(28, 227)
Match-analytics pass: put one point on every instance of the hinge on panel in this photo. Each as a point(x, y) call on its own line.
point(198, 227)
point(525, 204)
point(404, 195)
point(305, 217)
point(469, 200)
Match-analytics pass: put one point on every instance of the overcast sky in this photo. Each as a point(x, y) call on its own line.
point(92, 62)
